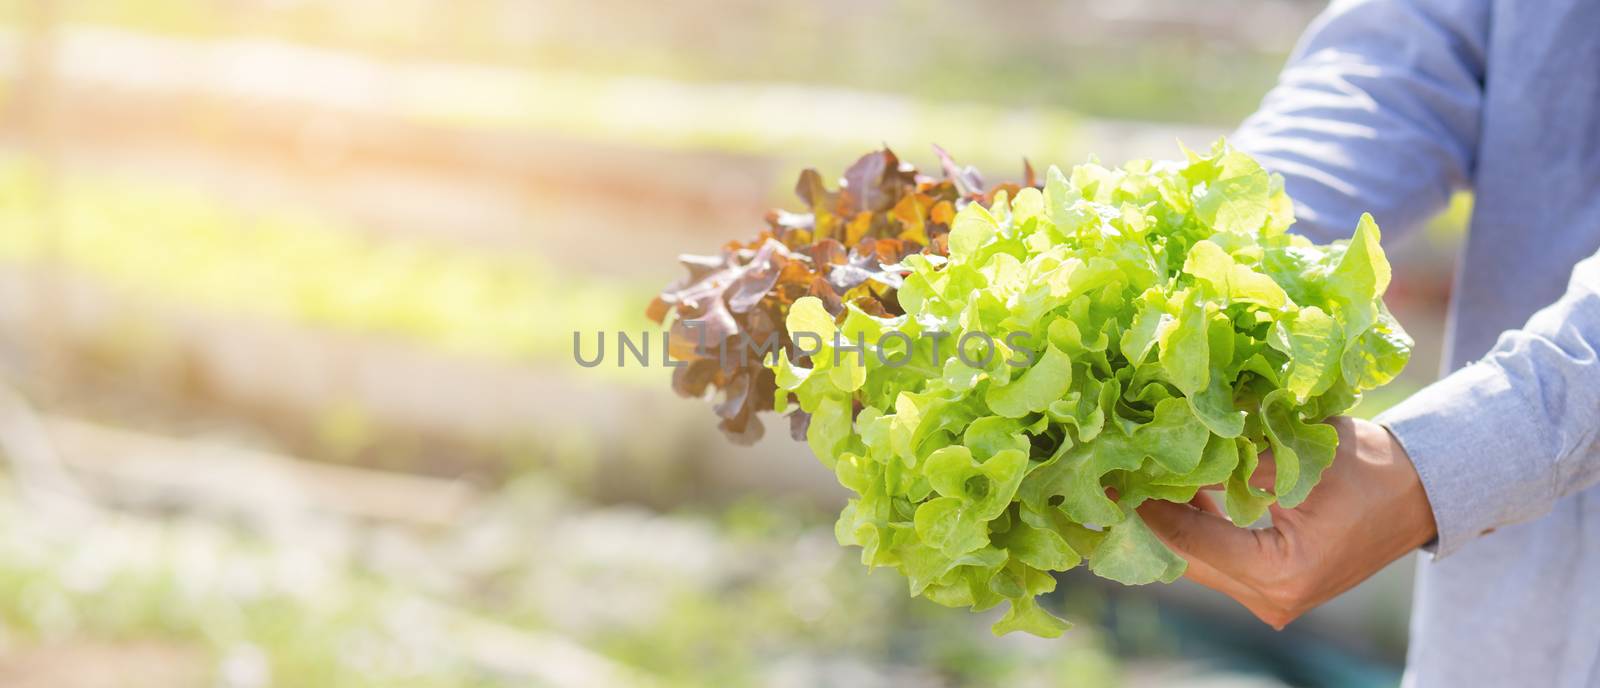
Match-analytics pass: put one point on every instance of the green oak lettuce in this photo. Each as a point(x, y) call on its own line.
point(1121, 335)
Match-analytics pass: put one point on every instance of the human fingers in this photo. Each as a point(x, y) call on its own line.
point(1166, 519)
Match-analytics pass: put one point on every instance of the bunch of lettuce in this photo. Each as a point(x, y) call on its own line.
point(834, 250)
point(1122, 335)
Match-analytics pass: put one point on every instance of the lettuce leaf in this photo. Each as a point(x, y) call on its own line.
point(838, 250)
point(1123, 334)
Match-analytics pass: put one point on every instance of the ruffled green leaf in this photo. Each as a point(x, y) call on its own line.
point(1047, 381)
point(1027, 616)
point(1174, 438)
point(1300, 450)
point(1122, 335)
point(973, 228)
point(1132, 555)
point(1244, 503)
point(1235, 192)
point(1185, 351)
point(1314, 342)
point(1377, 355)
point(1074, 480)
point(1041, 548)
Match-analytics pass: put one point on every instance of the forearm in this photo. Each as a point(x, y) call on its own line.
point(1499, 441)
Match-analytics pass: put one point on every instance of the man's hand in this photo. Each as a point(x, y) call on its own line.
point(1368, 510)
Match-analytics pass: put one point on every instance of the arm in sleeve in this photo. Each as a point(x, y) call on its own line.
point(1500, 440)
point(1377, 110)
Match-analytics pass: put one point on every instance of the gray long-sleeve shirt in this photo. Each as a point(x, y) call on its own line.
point(1390, 106)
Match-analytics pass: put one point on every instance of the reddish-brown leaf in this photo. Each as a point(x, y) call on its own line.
point(846, 245)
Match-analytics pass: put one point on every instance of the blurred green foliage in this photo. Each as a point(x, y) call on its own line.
point(176, 246)
point(676, 600)
point(1173, 64)
point(760, 586)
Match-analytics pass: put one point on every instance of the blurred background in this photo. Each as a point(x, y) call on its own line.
point(286, 295)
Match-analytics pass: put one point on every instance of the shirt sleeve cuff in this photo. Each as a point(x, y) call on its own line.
point(1473, 440)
